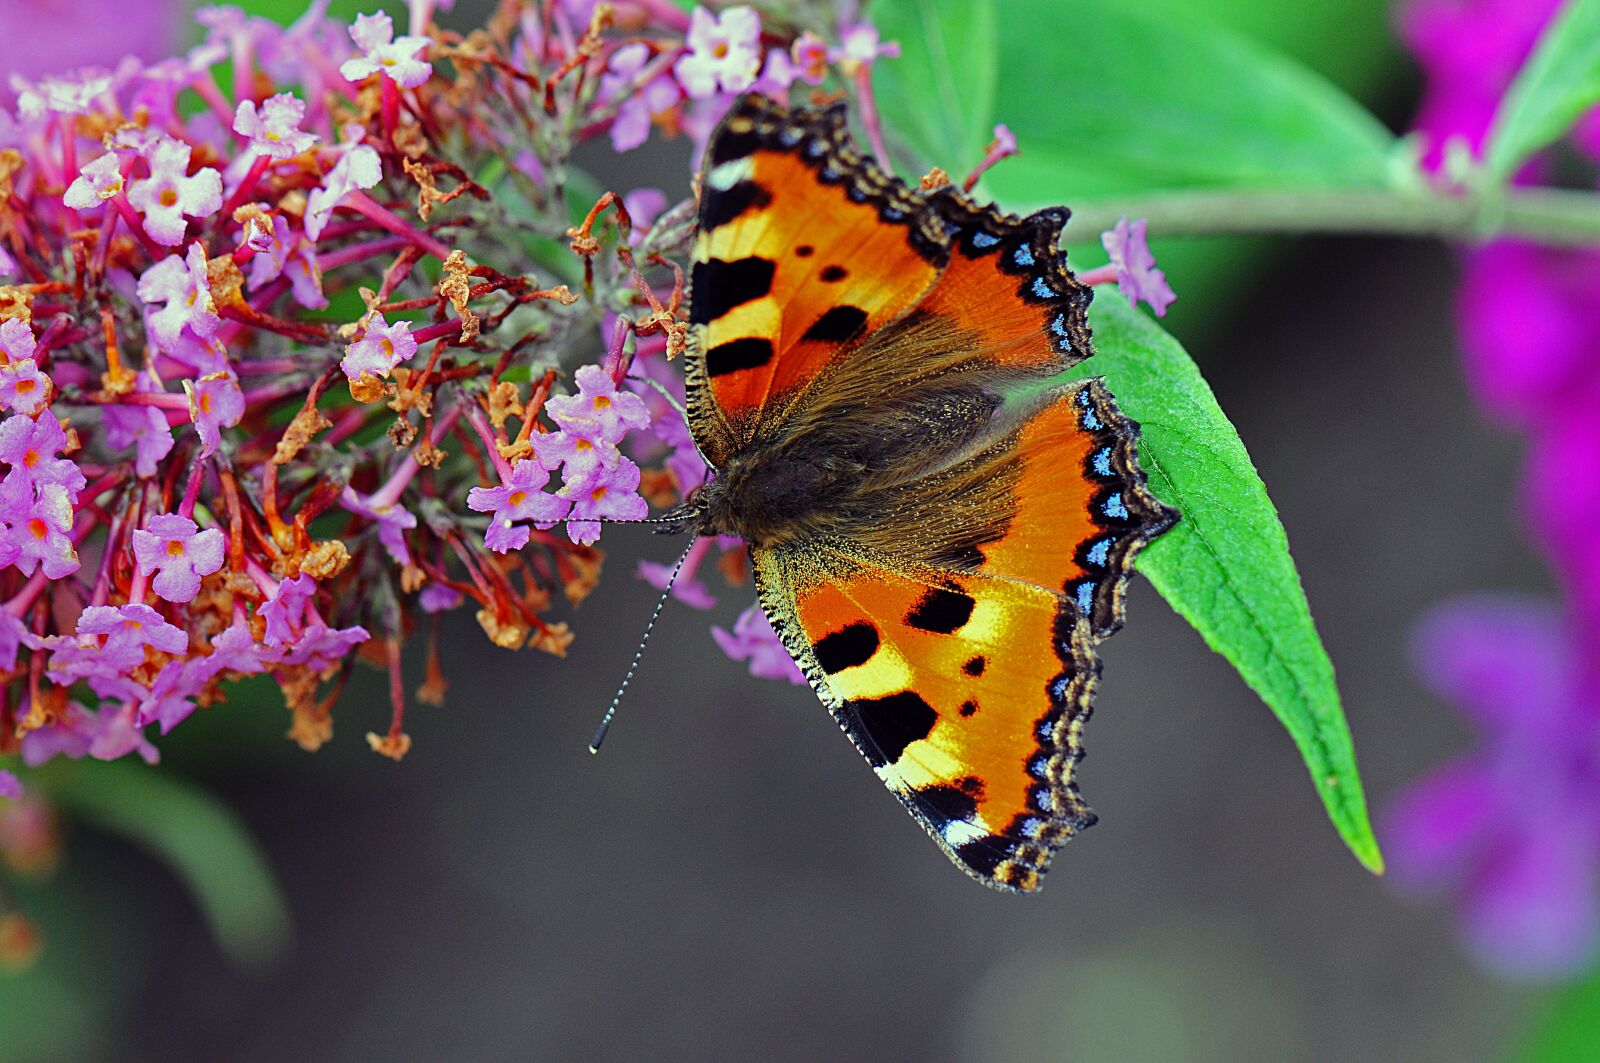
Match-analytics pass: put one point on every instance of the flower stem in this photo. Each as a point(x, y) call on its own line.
point(1553, 216)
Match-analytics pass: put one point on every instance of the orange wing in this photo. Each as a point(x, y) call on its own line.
point(967, 691)
point(803, 248)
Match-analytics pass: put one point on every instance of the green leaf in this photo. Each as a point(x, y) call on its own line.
point(1558, 83)
point(940, 93)
point(1225, 567)
point(203, 842)
point(1568, 1029)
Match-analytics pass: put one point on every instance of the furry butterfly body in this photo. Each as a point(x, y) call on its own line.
point(941, 525)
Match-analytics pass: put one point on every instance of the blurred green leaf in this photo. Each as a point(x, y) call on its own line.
point(943, 85)
point(198, 837)
point(1225, 567)
point(1558, 83)
point(1569, 1029)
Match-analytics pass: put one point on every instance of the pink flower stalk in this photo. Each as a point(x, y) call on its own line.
point(274, 130)
point(752, 639)
point(1137, 277)
point(382, 347)
point(724, 52)
point(171, 193)
point(400, 60)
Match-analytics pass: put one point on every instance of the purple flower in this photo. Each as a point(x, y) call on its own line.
point(14, 634)
point(67, 94)
point(289, 254)
point(215, 403)
point(576, 455)
point(687, 588)
point(106, 735)
point(598, 412)
point(170, 193)
point(1469, 51)
point(30, 446)
point(38, 528)
point(1511, 830)
point(382, 347)
point(141, 427)
point(16, 340)
point(810, 55)
point(639, 107)
point(181, 284)
point(117, 733)
point(10, 786)
point(752, 639)
point(284, 610)
point(400, 59)
point(23, 389)
point(438, 598)
point(724, 52)
point(319, 646)
point(608, 492)
point(179, 553)
point(859, 46)
point(521, 497)
point(1137, 277)
point(274, 130)
point(358, 167)
point(131, 626)
point(393, 521)
point(97, 182)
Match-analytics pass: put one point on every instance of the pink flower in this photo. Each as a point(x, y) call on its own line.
point(752, 639)
point(358, 167)
point(179, 553)
point(67, 94)
point(170, 193)
point(23, 388)
point(131, 625)
point(16, 340)
point(284, 611)
point(859, 47)
point(810, 55)
point(30, 447)
point(687, 588)
point(609, 492)
point(393, 521)
point(10, 786)
point(97, 182)
point(438, 598)
point(215, 403)
point(520, 497)
point(274, 130)
point(400, 60)
point(382, 347)
point(289, 254)
point(640, 107)
point(38, 528)
point(181, 284)
point(724, 52)
point(1137, 277)
point(141, 427)
point(598, 411)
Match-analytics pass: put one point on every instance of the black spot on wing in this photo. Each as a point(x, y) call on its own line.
point(751, 352)
point(975, 666)
point(891, 723)
point(731, 144)
point(834, 273)
point(720, 286)
point(851, 645)
point(805, 250)
point(837, 325)
point(941, 611)
point(968, 707)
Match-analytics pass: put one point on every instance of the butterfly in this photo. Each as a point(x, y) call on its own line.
point(941, 526)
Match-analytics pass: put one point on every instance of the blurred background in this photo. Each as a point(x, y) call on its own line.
point(728, 880)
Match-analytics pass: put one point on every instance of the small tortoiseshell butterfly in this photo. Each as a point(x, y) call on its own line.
point(941, 527)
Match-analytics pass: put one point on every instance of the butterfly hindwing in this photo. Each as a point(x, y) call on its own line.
point(967, 688)
point(803, 248)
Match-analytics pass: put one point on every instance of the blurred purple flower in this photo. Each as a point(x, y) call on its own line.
point(45, 36)
point(1137, 277)
point(724, 52)
point(10, 786)
point(1512, 830)
point(687, 588)
point(752, 639)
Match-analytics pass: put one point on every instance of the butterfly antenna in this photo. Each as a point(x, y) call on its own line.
point(666, 592)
